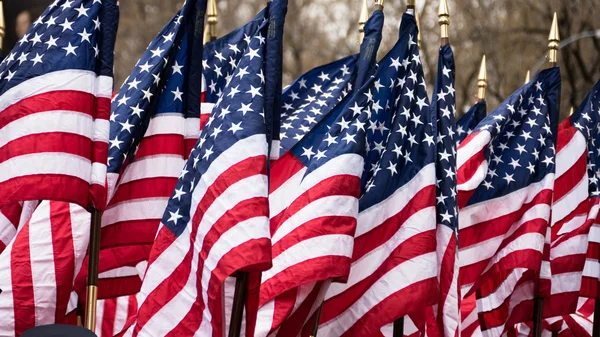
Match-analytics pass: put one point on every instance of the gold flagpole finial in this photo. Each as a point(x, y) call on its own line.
point(2, 25)
point(418, 28)
point(482, 80)
point(571, 111)
point(410, 6)
point(362, 20)
point(379, 4)
point(444, 20)
point(210, 31)
point(528, 76)
point(553, 42)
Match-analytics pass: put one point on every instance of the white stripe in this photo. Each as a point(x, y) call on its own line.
point(566, 282)
point(329, 206)
point(310, 249)
point(153, 167)
point(121, 313)
point(264, 320)
point(42, 265)
point(573, 246)
point(166, 124)
point(192, 128)
point(569, 202)
point(346, 164)
point(468, 150)
point(450, 309)
point(99, 318)
point(29, 207)
point(484, 250)
point(7, 230)
point(80, 230)
point(45, 163)
point(364, 267)
point(275, 149)
point(571, 225)
point(119, 272)
point(495, 208)
point(591, 268)
point(7, 305)
point(377, 214)
point(502, 292)
point(570, 154)
point(138, 209)
point(206, 108)
point(98, 175)
point(595, 233)
point(475, 180)
point(48, 122)
point(63, 80)
point(395, 280)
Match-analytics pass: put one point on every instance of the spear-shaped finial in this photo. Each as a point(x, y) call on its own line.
point(362, 20)
point(482, 80)
point(571, 111)
point(379, 4)
point(528, 76)
point(210, 31)
point(410, 6)
point(418, 28)
point(444, 20)
point(553, 42)
point(2, 25)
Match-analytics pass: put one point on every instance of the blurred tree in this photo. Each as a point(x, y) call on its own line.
point(513, 34)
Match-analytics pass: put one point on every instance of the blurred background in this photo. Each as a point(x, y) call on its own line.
point(512, 33)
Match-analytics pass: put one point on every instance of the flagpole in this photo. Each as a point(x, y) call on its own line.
point(553, 45)
point(92, 277)
point(528, 76)
point(482, 81)
point(239, 298)
point(2, 28)
point(596, 326)
point(362, 20)
point(212, 18)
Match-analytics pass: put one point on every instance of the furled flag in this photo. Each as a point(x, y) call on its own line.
point(216, 221)
point(443, 109)
point(281, 310)
point(469, 121)
point(313, 95)
point(575, 209)
point(505, 181)
point(394, 264)
point(55, 89)
point(155, 122)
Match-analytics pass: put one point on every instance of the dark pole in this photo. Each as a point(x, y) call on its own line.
point(596, 328)
point(92, 277)
point(538, 304)
point(399, 327)
point(239, 299)
point(316, 326)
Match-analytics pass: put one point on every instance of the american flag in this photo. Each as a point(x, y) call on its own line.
point(10, 216)
point(505, 182)
point(469, 121)
point(444, 106)
point(55, 88)
point(286, 302)
point(312, 97)
point(575, 208)
point(394, 263)
point(153, 129)
point(39, 266)
point(579, 323)
point(216, 221)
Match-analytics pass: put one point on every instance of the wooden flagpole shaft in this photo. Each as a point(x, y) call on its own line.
point(596, 327)
point(538, 304)
point(315, 329)
point(399, 327)
point(92, 278)
point(239, 299)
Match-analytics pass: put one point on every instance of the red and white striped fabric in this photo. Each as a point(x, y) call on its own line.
point(39, 266)
point(573, 213)
point(12, 217)
point(577, 324)
point(112, 315)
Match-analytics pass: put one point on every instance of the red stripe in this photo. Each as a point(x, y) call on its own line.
point(365, 243)
point(582, 209)
point(108, 317)
point(571, 178)
point(22, 282)
point(64, 253)
point(283, 169)
point(144, 188)
point(67, 100)
point(342, 185)
point(44, 187)
point(446, 278)
point(163, 144)
point(565, 134)
point(119, 286)
point(561, 304)
point(47, 142)
point(470, 167)
point(292, 326)
point(12, 212)
point(589, 287)
point(129, 233)
point(413, 247)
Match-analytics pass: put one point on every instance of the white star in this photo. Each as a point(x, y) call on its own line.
point(97, 23)
point(224, 112)
point(392, 168)
point(330, 140)
point(51, 21)
point(70, 49)
point(85, 36)
point(429, 140)
point(234, 48)
point(137, 111)
point(10, 75)
point(521, 148)
point(396, 63)
point(446, 72)
point(156, 52)
point(488, 184)
point(252, 53)
point(548, 161)
point(254, 91)
point(508, 178)
point(538, 86)
point(82, 11)
point(416, 59)
point(216, 132)
point(411, 139)
point(445, 156)
point(421, 103)
point(308, 152)
point(51, 42)
point(145, 67)
point(179, 193)
point(446, 216)
point(242, 72)
point(378, 85)
point(176, 68)
point(349, 138)
point(67, 4)
point(126, 126)
point(451, 89)
point(168, 37)
point(37, 59)
point(133, 84)
point(245, 108)
point(320, 154)
point(417, 120)
point(174, 217)
point(514, 163)
point(36, 39)
point(177, 94)
point(343, 124)
point(66, 25)
point(208, 153)
point(531, 168)
point(115, 143)
point(233, 92)
point(147, 94)
point(235, 127)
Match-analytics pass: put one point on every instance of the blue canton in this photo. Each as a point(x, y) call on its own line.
point(587, 120)
point(66, 36)
point(444, 107)
point(237, 114)
point(221, 57)
point(400, 130)
point(523, 136)
point(469, 121)
point(312, 96)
